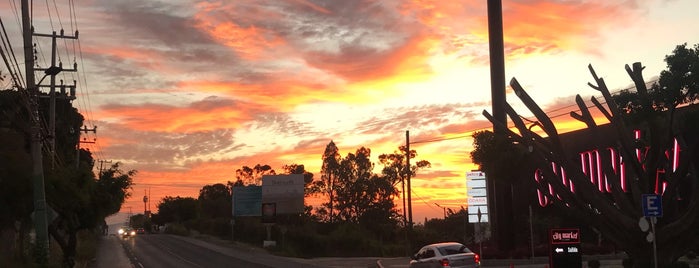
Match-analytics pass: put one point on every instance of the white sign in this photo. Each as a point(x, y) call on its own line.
point(475, 184)
point(474, 209)
point(477, 201)
point(477, 192)
point(475, 174)
point(473, 218)
point(286, 191)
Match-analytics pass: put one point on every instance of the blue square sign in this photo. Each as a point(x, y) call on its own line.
point(652, 205)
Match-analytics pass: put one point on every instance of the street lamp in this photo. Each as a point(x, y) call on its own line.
point(53, 70)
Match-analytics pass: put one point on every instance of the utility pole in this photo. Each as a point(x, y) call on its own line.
point(52, 94)
point(443, 208)
point(84, 140)
point(499, 196)
point(408, 171)
point(102, 162)
point(40, 219)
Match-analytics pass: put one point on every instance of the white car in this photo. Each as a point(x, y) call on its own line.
point(449, 254)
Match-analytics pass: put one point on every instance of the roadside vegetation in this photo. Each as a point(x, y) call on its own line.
point(78, 200)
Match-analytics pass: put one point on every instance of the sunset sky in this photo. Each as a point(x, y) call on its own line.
point(188, 91)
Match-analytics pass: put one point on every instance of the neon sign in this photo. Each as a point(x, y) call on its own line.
point(591, 166)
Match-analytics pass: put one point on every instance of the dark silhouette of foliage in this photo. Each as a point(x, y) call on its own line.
point(615, 211)
point(177, 209)
point(215, 201)
point(252, 176)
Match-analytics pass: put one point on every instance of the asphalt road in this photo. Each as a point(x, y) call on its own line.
point(160, 250)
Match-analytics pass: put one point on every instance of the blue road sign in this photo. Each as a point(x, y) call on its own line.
point(652, 205)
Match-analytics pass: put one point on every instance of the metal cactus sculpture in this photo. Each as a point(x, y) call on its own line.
point(652, 153)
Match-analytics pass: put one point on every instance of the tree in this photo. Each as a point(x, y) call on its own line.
point(328, 178)
point(79, 199)
point(395, 169)
point(82, 202)
point(15, 181)
point(177, 209)
point(353, 185)
point(301, 169)
point(252, 176)
point(610, 206)
point(215, 201)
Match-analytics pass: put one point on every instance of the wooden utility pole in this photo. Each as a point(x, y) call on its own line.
point(499, 195)
point(102, 162)
point(40, 219)
point(84, 140)
point(408, 171)
point(52, 94)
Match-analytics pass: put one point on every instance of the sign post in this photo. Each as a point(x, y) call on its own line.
point(652, 208)
point(477, 204)
point(564, 247)
point(477, 197)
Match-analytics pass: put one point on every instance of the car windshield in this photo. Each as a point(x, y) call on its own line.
point(453, 249)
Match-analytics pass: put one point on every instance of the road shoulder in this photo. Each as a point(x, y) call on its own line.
point(110, 253)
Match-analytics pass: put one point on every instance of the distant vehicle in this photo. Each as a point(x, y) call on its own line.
point(140, 231)
point(126, 232)
point(448, 254)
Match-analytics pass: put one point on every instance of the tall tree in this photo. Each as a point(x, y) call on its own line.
point(612, 203)
point(353, 185)
point(395, 169)
point(215, 201)
point(328, 177)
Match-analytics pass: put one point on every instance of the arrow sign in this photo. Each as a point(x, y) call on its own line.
point(652, 205)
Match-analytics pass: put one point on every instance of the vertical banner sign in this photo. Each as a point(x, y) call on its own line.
point(565, 248)
point(477, 197)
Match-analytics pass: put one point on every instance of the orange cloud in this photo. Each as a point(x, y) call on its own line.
point(542, 26)
point(248, 41)
point(165, 118)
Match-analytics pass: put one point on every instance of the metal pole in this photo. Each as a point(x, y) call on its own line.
point(52, 103)
point(40, 220)
point(531, 230)
point(655, 238)
point(409, 171)
point(496, 193)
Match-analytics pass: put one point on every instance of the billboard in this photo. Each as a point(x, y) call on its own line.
point(247, 200)
point(284, 190)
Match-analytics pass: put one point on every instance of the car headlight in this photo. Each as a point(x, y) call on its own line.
point(133, 232)
point(121, 231)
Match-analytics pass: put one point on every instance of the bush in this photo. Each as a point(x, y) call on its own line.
point(176, 229)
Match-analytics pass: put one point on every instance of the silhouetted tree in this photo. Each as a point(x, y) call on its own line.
point(253, 176)
point(328, 179)
point(177, 209)
point(215, 201)
point(607, 205)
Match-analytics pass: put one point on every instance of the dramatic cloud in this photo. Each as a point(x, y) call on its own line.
point(187, 91)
